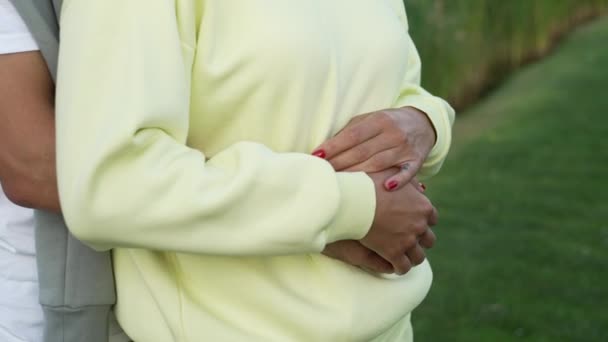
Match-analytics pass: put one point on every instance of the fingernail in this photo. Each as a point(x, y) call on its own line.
point(319, 153)
point(392, 185)
point(423, 186)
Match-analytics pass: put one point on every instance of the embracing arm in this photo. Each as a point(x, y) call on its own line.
point(27, 131)
point(127, 178)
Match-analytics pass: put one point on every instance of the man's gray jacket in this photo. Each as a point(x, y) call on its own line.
point(76, 283)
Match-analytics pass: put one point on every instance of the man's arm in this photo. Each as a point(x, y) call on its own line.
point(27, 131)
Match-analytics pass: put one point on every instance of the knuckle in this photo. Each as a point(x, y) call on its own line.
point(399, 137)
point(410, 241)
point(420, 228)
point(403, 137)
point(384, 118)
point(428, 236)
point(434, 212)
point(427, 208)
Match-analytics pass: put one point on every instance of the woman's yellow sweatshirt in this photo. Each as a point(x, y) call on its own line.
point(184, 133)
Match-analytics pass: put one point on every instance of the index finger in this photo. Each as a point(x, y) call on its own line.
point(348, 138)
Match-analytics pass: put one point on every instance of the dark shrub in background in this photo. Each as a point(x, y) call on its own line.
point(469, 45)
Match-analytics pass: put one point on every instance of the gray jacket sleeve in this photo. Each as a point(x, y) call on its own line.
point(76, 283)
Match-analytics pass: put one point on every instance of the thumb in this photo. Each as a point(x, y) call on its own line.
point(405, 175)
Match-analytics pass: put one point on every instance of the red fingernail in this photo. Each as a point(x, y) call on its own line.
point(423, 186)
point(319, 153)
point(392, 185)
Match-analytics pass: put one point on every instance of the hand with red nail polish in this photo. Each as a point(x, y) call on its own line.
point(373, 142)
point(402, 218)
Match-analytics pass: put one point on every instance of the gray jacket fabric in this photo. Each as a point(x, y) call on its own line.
point(76, 283)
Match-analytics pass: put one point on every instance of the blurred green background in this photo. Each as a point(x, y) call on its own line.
point(469, 45)
point(522, 253)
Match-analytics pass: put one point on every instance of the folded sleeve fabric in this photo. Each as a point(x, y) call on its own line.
point(127, 177)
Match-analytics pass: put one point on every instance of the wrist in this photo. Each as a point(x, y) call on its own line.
point(429, 131)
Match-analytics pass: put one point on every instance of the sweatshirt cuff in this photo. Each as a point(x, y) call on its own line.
point(357, 207)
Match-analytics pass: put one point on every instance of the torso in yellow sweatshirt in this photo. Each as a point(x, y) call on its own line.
point(184, 136)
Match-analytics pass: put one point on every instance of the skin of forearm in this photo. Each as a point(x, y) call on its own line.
point(27, 172)
point(27, 132)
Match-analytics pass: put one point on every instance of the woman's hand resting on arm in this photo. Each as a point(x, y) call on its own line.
point(401, 137)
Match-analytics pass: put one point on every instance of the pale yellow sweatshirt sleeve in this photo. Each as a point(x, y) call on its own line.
point(127, 178)
point(439, 112)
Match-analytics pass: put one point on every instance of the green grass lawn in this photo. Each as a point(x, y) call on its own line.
point(523, 240)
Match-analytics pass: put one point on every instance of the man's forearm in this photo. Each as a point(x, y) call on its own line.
point(27, 132)
point(28, 177)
